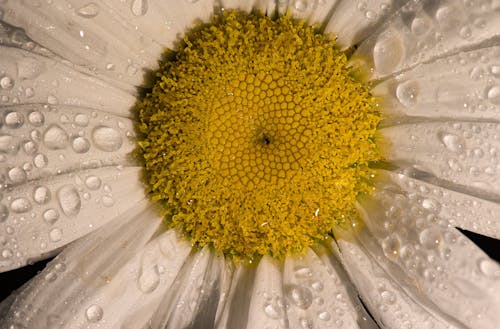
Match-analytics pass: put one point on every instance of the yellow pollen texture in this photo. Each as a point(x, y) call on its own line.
point(257, 138)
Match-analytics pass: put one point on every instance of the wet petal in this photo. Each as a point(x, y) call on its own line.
point(462, 153)
point(192, 300)
point(353, 21)
point(425, 30)
point(38, 141)
point(30, 78)
point(39, 217)
point(455, 208)
point(463, 86)
point(66, 293)
point(319, 295)
point(432, 260)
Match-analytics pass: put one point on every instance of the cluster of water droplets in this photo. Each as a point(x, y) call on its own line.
point(423, 30)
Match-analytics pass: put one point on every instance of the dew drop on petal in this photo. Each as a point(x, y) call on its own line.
point(430, 238)
point(82, 120)
point(325, 316)
point(139, 7)
point(306, 323)
point(148, 279)
point(20, 205)
point(300, 296)
point(407, 93)
point(69, 200)
point(452, 142)
point(14, 120)
point(29, 68)
point(388, 53)
point(41, 195)
point(80, 145)
point(302, 272)
point(50, 216)
point(489, 268)
point(106, 138)
point(273, 311)
point(94, 313)
point(107, 201)
point(494, 95)
point(6, 82)
point(17, 175)
point(93, 182)
point(55, 138)
point(40, 160)
point(36, 118)
point(89, 10)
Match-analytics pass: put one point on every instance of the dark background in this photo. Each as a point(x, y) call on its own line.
point(11, 280)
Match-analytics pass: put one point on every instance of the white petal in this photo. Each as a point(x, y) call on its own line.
point(66, 293)
point(424, 30)
point(464, 153)
point(313, 11)
point(455, 208)
point(91, 35)
point(353, 21)
point(267, 303)
point(39, 217)
point(319, 295)
point(390, 304)
point(41, 141)
point(192, 300)
point(462, 86)
point(435, 261)
point(29, 78)
point(234, 312)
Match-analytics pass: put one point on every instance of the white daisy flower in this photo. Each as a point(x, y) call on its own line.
point(71, 71)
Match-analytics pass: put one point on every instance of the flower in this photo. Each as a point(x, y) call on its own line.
point(67, 134)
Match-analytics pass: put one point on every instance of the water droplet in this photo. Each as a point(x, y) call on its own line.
point(407, 93)
point(149, 279)
point(494, 95)
point(82, 120)
point(20, 205)
point(465, 32)
point(388, 297)
point(7, 253)
point(6, 82)
point(107, 201)
point(325, 316)
point(17, 175)
point(50, 277)
point(317, 286)
point(371, 15)
point(300, 5)
point(51, 216)
point(94, 313)
point(419, 26)
point(106, 138)
point(300, 296)
point(41, 195)
point(52, 100)
point(90, 10)
point(14, 120)
point(55, 137)
point(36, 118)
point(495, 70)
point(55, 235)
point(432, 205)
point(273, 311)
point(390, 246)
point(388, 53)
point(306, 323)
point(430, 238)
point(489, 268)
point(302, 272)
point(93, 182)
point(452, 142)
point(69, 200)
point(40, 160)
point(80, 145)
point(4, 213)
point(447, 17)
point(139, 7)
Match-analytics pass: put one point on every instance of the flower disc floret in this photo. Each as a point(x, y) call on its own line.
point(257, 138)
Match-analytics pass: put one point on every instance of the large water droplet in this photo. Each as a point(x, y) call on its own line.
point(430, 238)
point(388, 53)
point(494, 95)
point(6, 82)
point(94, 313)
point(40, 160)
point(407, 92)
point(88, 11)
point(55, 137)
point(82, 120)
point(20, 205)
point(41, 195)
point(139, 7)
point(300, 296)
point(36, 118)
point(149, 279)
point(17, 175)
point(302, 272)
point(325, 316)
point(80, 145)
point(51, 216)
point(69, 200)
point(93, 182)
point(273, 310)
point(391, 246)
point(489, 268)
point(419, 26)
point(452, 142)
point(13, 120)
point(106, 138)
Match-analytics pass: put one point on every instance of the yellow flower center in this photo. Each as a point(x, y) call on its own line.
point(257, 136)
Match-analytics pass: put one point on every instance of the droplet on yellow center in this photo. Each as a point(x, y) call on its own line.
point(257, 137)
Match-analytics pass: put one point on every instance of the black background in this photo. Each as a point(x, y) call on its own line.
point(11, 280)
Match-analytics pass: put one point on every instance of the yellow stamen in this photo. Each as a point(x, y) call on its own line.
point(257, 137)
